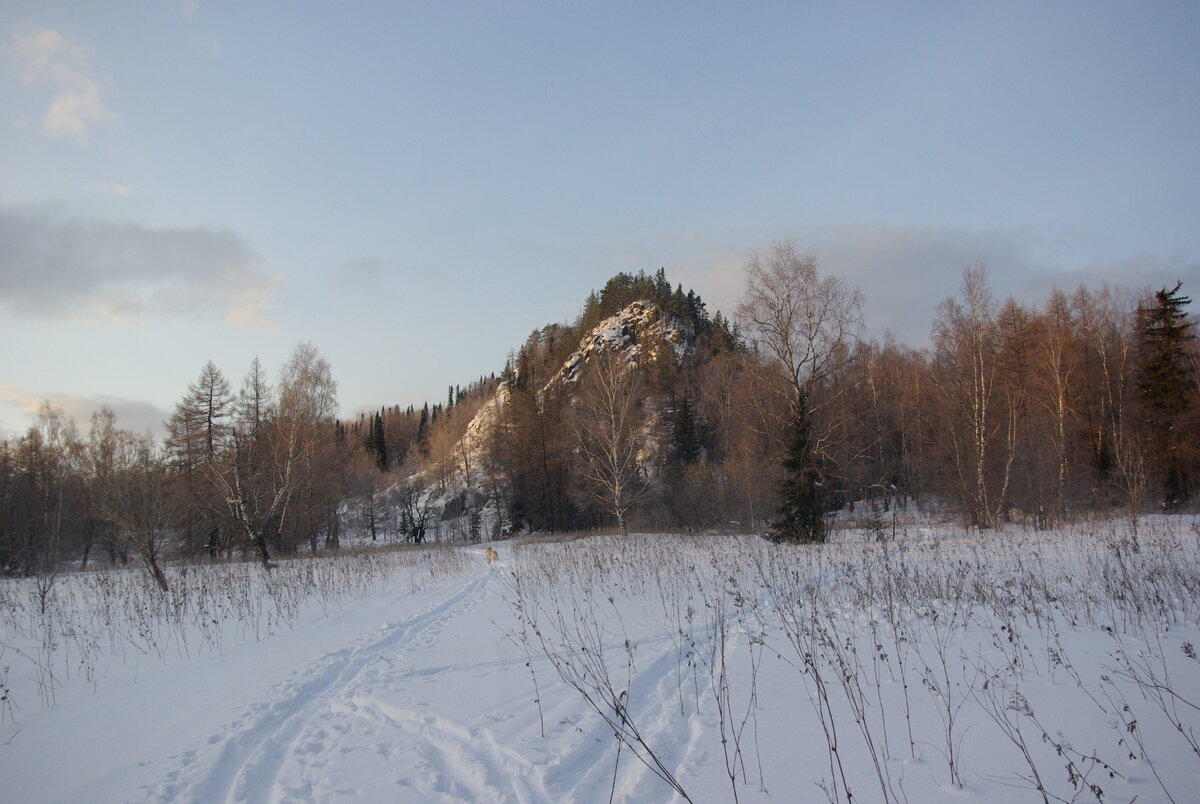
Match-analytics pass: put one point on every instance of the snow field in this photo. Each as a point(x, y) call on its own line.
point(1001, 667)
point(646, 668)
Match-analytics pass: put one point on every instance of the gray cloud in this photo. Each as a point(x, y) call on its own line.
point(53, 264)
point(905, 273)
point(361, 274)
point(380, 276)
point(132, 414)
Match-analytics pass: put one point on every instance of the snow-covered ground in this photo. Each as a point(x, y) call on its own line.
point(930, 668)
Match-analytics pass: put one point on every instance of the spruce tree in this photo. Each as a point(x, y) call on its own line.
point(378, 446)
point(685, 432)
point(801, 496)
point(1165, 335)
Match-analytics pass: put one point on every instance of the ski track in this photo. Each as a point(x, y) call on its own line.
point(359, 699)
point(458, 763)
point(293, 724)
point(585, 771)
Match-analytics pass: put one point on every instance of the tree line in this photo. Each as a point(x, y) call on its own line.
point(769, 422)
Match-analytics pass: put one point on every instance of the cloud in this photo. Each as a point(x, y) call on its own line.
point(132, 414)
point(210, 45)
point(379, 276)
point(45, 58)
point(905, 272)
point(361, 273)
point(116, 189)
point(55, 265)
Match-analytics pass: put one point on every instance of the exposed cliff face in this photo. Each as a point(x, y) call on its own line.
point(637, 332)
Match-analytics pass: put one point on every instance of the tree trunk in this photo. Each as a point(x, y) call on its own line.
point(156, 572)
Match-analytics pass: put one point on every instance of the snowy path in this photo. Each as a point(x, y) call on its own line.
point(274, 751)
point(399, 696)
point(363, 721)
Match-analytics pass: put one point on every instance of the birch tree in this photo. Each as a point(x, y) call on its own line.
point(806, 324)
point(1057, 359)
point(965, 346)
point(607, 421)
point(275, 449)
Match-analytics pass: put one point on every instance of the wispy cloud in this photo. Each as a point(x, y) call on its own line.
point(362, 274)
point(210, 45)
point(116, 189)
point(132, 414)
point(78, 86)
point(905, 272)
point(379, 276)
point(53, 264)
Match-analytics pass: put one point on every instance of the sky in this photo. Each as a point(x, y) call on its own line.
point(414, 187)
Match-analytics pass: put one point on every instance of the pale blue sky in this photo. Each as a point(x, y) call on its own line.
point(414, 187)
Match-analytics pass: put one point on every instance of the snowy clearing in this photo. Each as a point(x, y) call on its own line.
point(978, 668)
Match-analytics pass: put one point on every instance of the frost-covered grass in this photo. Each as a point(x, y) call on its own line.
point(71, 626)
point(1046, 666)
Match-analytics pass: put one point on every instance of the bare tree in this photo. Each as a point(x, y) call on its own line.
point(807, 323)
point(607, 420)
point(362, 486)
point(1015, 331)
point(196, 433)
point(1106, 325)
point(1056, 360)
point(46, 460)
point(99, 458)
point(276, 453)
point(137, 500)
point(414, 504)
point(1132, 474)
point(966, 345)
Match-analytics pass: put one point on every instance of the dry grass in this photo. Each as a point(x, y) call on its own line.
point(971, 629)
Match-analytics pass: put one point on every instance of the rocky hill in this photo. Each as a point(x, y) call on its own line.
point(638, 333)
